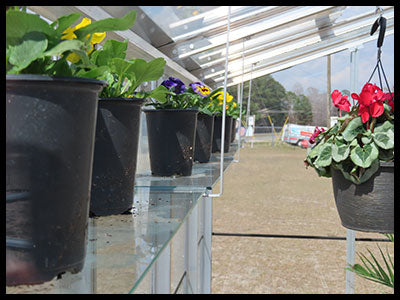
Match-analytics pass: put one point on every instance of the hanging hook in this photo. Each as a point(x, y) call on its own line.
point(379, 10)
point(381, 23)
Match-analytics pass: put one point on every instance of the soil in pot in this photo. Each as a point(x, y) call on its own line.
point(171, 136)
point(115, 154)
point(216, 147)
point(368, 206)
point(50, 127)
point(204, 138)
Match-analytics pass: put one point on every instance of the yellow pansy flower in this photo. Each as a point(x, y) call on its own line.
point(220, 97)
point(69, 34)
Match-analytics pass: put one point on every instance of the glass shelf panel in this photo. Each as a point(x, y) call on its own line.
point(204, 175)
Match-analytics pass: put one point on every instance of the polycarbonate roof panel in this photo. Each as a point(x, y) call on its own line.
point(262, 39)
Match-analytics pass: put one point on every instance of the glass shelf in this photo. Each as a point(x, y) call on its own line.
point(123, 248)
point(126, 246)
point(204, 175)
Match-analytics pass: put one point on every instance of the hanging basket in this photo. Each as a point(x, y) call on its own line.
point(368, 206)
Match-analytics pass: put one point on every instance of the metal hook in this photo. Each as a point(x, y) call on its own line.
point(379, 10)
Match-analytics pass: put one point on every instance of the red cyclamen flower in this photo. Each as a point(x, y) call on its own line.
point(314, 135)
point(340, 101)
point(370, 100)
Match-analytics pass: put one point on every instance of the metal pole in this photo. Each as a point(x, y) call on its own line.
point(329, 88)
point(240, 98)
point(350, 234)
point(248, 99)
point(221, 165)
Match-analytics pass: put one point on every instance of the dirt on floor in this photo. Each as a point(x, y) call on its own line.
point(270, 193)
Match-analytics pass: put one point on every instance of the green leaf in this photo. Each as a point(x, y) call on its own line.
point(364, 156)
point(32, 46)
point(369, 172)
point(325, 156)
point(354, 127)
point(64, 22)
point(386, 155)
point(19, 23)
point(385, 127)
point(159, 93)
point(385, 140)
point(67, 45)
point(340, 150)
point(147, 71)
point(366, 140)
point(111, 49)
point(109, 24)
point(94, 73)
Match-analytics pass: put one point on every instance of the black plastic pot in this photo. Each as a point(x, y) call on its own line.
point(204, 138)
point(50, 128)
point(234, 128)
point(171, 135)
point(115, 154)
point(216, 146)
point(368, 206)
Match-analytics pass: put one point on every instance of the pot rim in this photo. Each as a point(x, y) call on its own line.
point(122, 100)
point(48, 78)
point(191, 110)
point(386, 163)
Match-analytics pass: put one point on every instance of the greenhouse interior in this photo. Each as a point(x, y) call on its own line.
point(199, 150)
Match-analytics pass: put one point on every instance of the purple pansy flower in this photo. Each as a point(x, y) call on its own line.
point(200, 88)
point(177, 84)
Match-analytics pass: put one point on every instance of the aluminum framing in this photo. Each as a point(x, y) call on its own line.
point(274, 38)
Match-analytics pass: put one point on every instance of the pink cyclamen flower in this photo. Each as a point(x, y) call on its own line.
point(317, 131)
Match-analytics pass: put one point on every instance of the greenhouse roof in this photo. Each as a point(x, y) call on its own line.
point(262, 39)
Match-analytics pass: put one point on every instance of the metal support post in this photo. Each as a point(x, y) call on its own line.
point(221, 163)
point(205, 286)
point(161, 272)
point(351, 235)
point(240, 99)
point(350, 250)
point(191, 252)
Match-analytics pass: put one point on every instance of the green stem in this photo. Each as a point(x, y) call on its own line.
point(372, 124)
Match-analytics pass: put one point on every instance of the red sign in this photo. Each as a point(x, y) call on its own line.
point(305, 133)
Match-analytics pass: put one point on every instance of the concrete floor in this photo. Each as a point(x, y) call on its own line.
point(271, 192)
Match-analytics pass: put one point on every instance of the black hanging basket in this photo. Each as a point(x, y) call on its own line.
point(368, 206)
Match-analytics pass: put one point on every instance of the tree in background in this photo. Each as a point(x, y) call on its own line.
point(301, 109)
point(267, 94)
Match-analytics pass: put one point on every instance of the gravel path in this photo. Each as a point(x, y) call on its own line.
point(291, 240)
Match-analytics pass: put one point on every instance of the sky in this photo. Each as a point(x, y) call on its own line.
point(313, 73)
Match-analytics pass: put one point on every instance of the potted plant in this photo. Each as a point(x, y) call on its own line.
point(171, 128)
point(373, 270)
point(216, 106)
point(233, 110)
point(118, 122)
point(50, 127)
point(205, 121)
point(358, 153)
